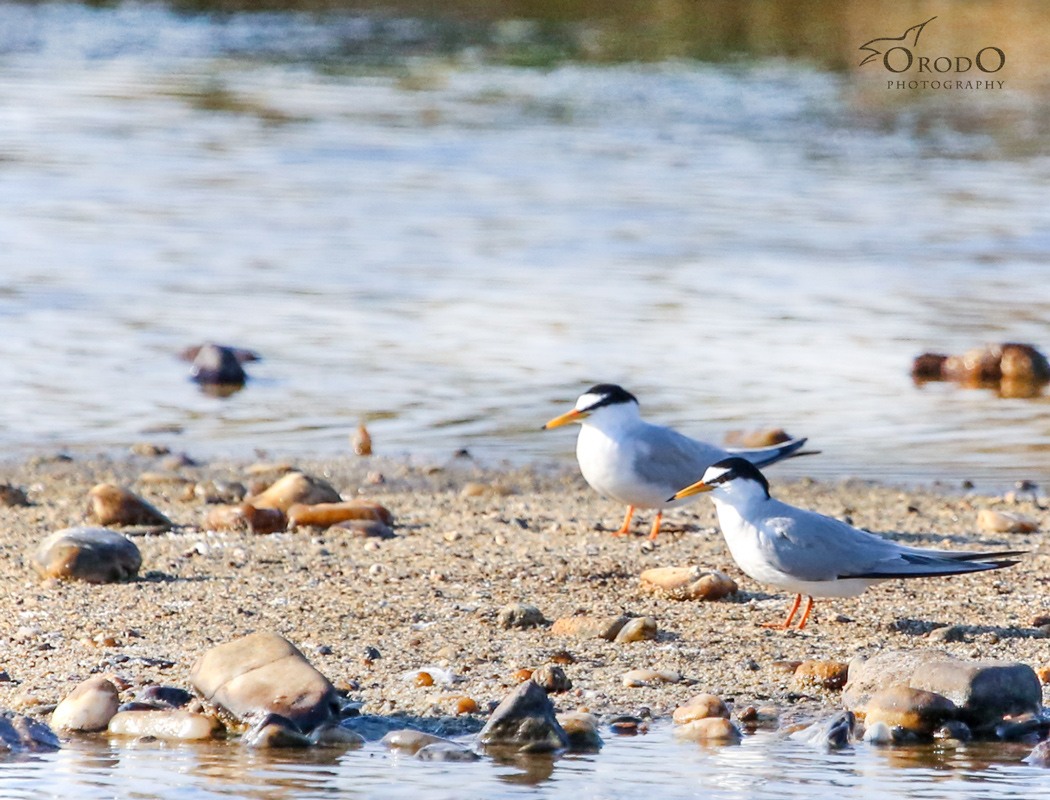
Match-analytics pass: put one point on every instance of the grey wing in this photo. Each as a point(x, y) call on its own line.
point(666, 458)
point(812, 547)
point(764, 456)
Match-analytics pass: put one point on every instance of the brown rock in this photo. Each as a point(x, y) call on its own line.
point(582, 730)
point(246, 517)
point(709, 729)
point(12, 496)
point(1022, 362)
point(525, 720)
point(820, 674)
point(638, 629)
point(89, 707)
point(1006, 521)
point(688, 583)
point(361, 441)
point(700, 706)
point(553, 679)
point(264, 673)
point(111, 505)
point(292, 488)
point(1043, 673)
point(323, 515)
point(93, 555)
point(583, 627)
point(915, 710)
point(767, 437)
point(929, 367)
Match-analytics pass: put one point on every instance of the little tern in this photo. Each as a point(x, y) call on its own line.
point(639, 464)
point(810, 554)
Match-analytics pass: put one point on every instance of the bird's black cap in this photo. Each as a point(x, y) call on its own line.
point(609, 394)
point(737, 467)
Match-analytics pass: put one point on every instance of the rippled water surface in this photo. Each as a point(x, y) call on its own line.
point(765, 765)
point(452, 249)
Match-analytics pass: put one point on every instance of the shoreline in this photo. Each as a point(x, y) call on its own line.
point(431, 596)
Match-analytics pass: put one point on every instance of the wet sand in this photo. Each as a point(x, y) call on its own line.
point(431, 595)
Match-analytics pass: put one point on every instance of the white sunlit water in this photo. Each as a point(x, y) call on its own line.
point(452, 251)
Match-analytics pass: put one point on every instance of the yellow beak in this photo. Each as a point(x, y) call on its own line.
point(697, 488)
point(565, 419)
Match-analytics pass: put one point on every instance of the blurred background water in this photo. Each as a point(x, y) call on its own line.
point(449, 219)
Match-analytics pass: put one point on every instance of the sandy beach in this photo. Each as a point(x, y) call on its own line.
point(430, 597)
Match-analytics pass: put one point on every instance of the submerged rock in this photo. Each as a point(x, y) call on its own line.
point(833, 733)
point(914, 710)
point(446, 751)
point(335, 736)
point(93, 555)
point(410, 740)
point(526, 721)
point(217, 364)
point(582, 730)
point(273, 731)
point(89, 707)
point(264, 673)
point(700, 706)
point(709, 729)
point(19, 733)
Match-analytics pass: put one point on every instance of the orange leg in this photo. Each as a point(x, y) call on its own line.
point(794, 607)
point(656, 524)
point(626, 527)
point(805, 614)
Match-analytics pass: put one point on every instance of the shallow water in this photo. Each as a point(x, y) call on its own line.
point(452, 250)
point(764, 765)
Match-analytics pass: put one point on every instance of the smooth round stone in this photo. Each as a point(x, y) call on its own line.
point(638, 629)
point(820, 674)
point(552, 678)
point(520, 615)
point(246, 517)
point(264, 673)
point(878, 733)
point(94, 555)
point(700, 706)
point(709, 729)
point(292, 488)
point(914, 710)
point(1006, 521)
point(112, 505)
point(585, 627)
point(649, 677)
point(336, 736)
point(168, 696)
point(688, 583)
point(218, 365)
point(89, 707)
point(324, 515)
point(410, 740)
point(582, 729)
point(171, 724)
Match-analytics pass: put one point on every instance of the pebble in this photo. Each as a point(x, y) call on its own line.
point(582, 730)
point(12, 496)
point(552, 678)
point(833, 733)
point(168, 724)
point(878, 733)
point(520, 615)
point(688, 583)
point(709, 729)
point(214, 492)
point(820, 674)
point(700, 706)
point(364, 529)
point(264, 673)
point(217, 364)
point(361, 441)
point(1006, 521)
point(274, 731)
point(89, 707)
point(165, 696)
point(246, 517)
point(1043, 673)
point(466, 705)
point(324, 515)
point(292, 488)
point(93, 555)
point(485, 490)
point(649, 677)
point(914, 710)
point(765, 437)
point(585, 627)
point(639, 629)
point(112, 505)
